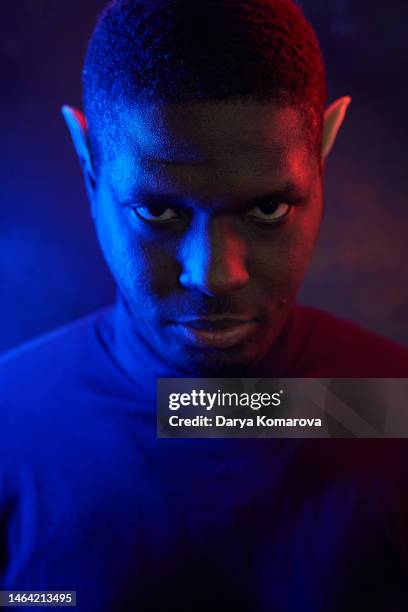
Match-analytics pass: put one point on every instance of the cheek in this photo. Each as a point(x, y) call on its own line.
point(301, 242)
point(120, 250)
point(137, 264)
point(161, 271)
point(280, 263)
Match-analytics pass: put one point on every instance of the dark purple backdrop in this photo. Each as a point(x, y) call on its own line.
point(51, 270)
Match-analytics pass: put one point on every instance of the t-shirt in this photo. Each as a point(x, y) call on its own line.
point(92, 501)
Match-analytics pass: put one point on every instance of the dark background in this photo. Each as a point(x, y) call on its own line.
point(51, 270)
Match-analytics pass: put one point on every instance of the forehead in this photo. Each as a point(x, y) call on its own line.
point(208, 147)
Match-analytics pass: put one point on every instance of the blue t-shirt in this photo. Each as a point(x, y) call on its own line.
point(92, 501)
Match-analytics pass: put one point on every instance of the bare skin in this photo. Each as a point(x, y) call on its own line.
point(208, 214)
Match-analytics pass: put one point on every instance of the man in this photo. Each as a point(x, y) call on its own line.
point(202, 146)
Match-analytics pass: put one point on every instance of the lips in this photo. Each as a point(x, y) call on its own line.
point(215, 333)
point(213, 325)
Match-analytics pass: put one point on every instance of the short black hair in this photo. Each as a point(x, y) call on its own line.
point(203, 50)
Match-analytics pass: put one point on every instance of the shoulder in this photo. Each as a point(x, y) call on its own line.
point(47, 389)
point(73, 335)
point(49, 363)
point(335, 347)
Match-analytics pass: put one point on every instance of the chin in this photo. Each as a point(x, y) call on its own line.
point(215, 364)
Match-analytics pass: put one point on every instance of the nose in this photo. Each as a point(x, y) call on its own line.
point(214, 257)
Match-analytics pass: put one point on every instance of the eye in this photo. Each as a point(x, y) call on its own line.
point(155, 213)
point(269, 212)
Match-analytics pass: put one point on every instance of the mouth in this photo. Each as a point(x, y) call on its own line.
point(215, 332)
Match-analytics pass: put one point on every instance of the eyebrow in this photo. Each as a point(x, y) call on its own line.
point(287, 190)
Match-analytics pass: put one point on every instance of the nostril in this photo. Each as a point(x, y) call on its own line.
point(216, 280)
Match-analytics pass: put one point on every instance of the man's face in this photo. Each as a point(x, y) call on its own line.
point(207, 214)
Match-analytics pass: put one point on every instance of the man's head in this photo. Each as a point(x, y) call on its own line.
point(202, 154)
point(173, 51)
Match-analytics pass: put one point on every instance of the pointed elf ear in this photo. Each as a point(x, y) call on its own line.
point(77, 126)
point(333, 119)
